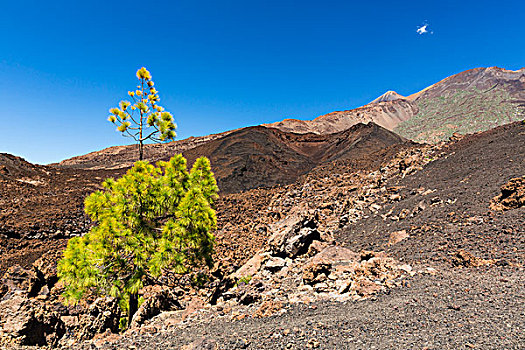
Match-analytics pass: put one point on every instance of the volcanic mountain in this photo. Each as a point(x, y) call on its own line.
point(254, 156)
point(388, 96)
point(475, 100)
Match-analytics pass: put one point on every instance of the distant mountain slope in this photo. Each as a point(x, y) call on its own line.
point(259, 156)
point(475, 100)
point(386, 114)
point(117, 157)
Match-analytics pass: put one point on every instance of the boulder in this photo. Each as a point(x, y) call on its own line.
point(251, 267)
point(157, 299)
point(268, 308)
point(336, 255)
point(26, 321)
point(376, 265)
point(249, 297)
point(293, 235)
point(103, 314)
point(22, 281)
point(275, 264)
point(335, 258)
point(398, 236)
point(462, 258)
point(46, 266)
point(316, 272)
point(365, 287)
point(512, 195)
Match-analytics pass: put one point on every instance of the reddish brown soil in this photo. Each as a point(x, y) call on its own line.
point(41, 201)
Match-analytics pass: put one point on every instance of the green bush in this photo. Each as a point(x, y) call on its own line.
point(150, 221)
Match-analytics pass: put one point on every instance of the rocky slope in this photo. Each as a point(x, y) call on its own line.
point(46, 202)
point(460, 287)
point(118, 157)
point(252, 157)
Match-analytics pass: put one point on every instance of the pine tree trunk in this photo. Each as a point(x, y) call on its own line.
point(133, 307)
point(141, 150)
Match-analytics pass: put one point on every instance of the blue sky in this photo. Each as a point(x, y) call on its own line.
point(220, 65)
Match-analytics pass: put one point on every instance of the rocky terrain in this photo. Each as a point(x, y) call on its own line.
point(387, 236)
point(350, 238)
point(117, 157)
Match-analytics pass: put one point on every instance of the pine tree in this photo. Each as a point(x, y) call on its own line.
point(149, 221)
point(143, 120)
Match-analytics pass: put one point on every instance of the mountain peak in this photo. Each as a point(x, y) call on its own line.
point(388, 96)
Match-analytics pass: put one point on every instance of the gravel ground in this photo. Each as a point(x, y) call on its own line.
point(460, 187)
point(481, 309)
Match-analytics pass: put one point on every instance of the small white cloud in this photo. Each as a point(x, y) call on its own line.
point(424, 30)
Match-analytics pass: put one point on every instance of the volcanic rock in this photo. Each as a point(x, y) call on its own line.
point(22, 281)
point(103, 314)
point(398, 236)
point(512, 195)
point(275, 264)
point(463, 258)
point(293, 235)
point(27, 321)
point(157, 299)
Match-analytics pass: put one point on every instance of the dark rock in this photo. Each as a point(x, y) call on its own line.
point(157, 299)
point(275, 264)
point(462, 258)
point(47, 267)
point(103, 314)
point(512, 195)
point(248, 298)
point(293, 235)
point(316, 272)
point(26, 321)
point(22, 281)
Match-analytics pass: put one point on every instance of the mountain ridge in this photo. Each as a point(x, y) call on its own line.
point(499, 94)
point(253, 156)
